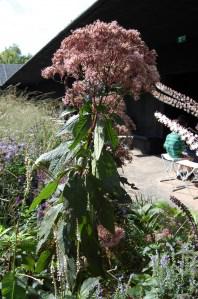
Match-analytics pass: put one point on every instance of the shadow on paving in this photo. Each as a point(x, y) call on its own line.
point(147, 171)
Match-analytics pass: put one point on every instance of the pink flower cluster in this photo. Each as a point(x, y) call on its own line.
point(108, 239)
point(170, 96)
point(157, 236)
point(103, 57)
point(190, 138)
point(165, 233)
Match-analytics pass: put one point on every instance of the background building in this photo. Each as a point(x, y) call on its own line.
point(167, 26)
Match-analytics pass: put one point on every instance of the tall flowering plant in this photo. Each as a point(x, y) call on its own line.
point(99, 64)
point(105, 59)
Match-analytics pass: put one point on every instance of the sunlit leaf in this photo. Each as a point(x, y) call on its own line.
point(45, 193)
point(80, 130)
point(54, 154)
point(69, 125)
point(47, 223)
point(42, 261)
point(88, 286)
point(98, 139)
point(67, 111)
point(110, 134)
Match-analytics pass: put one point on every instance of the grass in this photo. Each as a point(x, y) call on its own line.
point(27, 121)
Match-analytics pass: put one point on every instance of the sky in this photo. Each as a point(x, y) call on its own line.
point(31, 24)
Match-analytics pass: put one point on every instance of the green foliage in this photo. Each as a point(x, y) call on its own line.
point(110, 133)
point(98, 139)
point(87, 287)
point(59, 253)
point(85, 198)
point(13, 55)
point(27, 121)
point(46, 192)
point(173, 275)
point(11, 288)
point(47, 224)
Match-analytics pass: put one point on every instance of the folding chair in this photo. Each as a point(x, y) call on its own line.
point(169, 166)
point(191, 169)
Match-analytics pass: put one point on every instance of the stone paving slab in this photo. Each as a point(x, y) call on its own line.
point(147, 171)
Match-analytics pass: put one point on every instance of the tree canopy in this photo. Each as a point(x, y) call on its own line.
point(12, 55)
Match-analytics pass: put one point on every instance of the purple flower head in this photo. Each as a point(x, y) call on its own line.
point(41, 211)
point(9, 150)
point(164, 261)
point(18, 200)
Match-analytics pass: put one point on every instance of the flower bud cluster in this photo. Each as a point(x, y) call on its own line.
point(102, 57)
point(108, 239)
point(190, 138)
point(176, 99)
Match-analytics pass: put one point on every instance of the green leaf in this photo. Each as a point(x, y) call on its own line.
point(71, 272)
point(48, 221)
point(80, 129)
point(9, 281)
point(136, 291)
point(98, 138)
point(69, 125)
point(88, 286)
point(106, 171)
point(56, 153)
point(29, 263)
point(91, 249)
point(86, 108)
point(47, 296)
point(45, 193)
point(60, 236)
point(110, 134)
point(106, 214)
point(42, 261)
point(100, 202)
point(75, 196)
point(67, 111)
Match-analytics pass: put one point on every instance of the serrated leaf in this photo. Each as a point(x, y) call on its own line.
point(88, 286)
point(110, 134)
point(69, 125)
point(47, 296)
point(42, 261)
point(98, 139)
point(135, 291)
point(75, 196)
point(106, 215)
point(86, 108)
point(91, 249)
point(80, 130)
point(107, 172)
point(47, 223)
point(56, 153)
point(29, 263)
point(100, 202)
point(106, 166)
point(58, 165)
point(67, 111)
point(45, 193)
point(9, 281)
